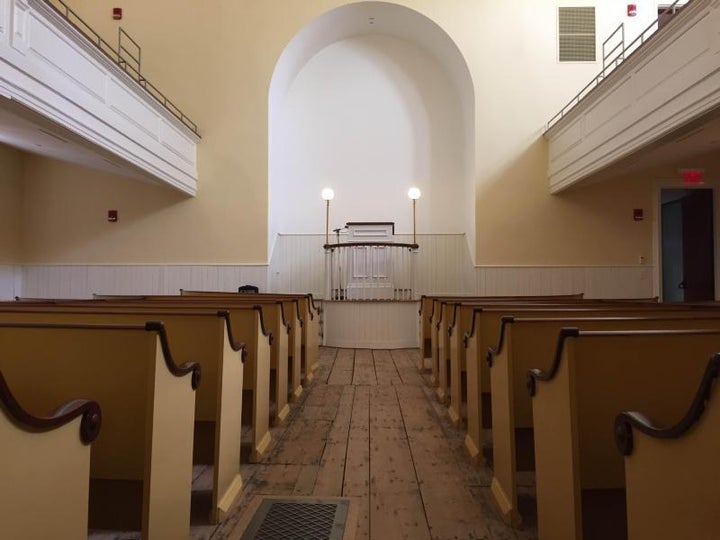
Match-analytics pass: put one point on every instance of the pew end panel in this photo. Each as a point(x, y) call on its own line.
point(169, 463)
point(228, 435)
point(458, 365)
point(279, 361)
point(557, 467)
point(671, 473)
point(474, 436)
point(503, 485)
point(292, 311)
point(248, 325)
point(45, 468)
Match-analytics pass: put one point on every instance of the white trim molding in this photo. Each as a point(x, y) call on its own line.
point(594, 281)
point(82, 281)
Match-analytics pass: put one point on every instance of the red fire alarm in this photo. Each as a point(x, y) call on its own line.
point(631, 10)
point(112, 216)
point(638, 214)
point(117, 13)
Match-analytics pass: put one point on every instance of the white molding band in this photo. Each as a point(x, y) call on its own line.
point(81, 281)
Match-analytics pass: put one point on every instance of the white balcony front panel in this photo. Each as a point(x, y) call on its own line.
point(671, 80)
point(49, 67)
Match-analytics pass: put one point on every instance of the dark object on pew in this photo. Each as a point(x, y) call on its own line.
point(90, 411)
point(252, 289)
point(626, 421)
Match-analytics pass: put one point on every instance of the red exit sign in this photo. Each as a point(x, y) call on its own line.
point(693, 177)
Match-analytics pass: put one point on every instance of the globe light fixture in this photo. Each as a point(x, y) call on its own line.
point(414, 194)
point(327, 195)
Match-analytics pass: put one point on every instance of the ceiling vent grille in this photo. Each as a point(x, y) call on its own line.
point(576, 33)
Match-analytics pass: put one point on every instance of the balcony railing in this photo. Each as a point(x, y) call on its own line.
point(370, 271)
point(127, 56)
point(614, 55)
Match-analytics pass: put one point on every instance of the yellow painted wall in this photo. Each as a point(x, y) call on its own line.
point(11, 170)
point(215, 60)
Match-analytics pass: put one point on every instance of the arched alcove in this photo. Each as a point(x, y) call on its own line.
point(370, 99)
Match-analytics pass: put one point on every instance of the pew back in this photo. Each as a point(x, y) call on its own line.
point(531, 342)
point(148, 408)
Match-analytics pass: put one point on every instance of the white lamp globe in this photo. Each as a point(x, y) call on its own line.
point(327, 194)
point(414, 193)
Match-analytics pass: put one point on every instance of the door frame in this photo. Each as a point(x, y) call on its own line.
point(676, 183)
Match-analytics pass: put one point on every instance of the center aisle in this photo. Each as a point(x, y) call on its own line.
point(368, 428)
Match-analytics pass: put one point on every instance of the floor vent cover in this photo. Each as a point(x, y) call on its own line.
point(311, 519)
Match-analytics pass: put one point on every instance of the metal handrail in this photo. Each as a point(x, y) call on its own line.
point(622, 56)
point(66, 12)
point(621, 44)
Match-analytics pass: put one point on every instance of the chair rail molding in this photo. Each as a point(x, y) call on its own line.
point(52, 69)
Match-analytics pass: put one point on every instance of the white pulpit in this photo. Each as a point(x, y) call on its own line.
point(370, 266)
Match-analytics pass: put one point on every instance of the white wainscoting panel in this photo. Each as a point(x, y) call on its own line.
point(593, 281)
point(442, 266)
point(10, 282)
point(49, 67)
point(371, 325)
point(81, 281)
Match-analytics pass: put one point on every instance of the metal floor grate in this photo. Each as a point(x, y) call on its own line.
point(309, 519)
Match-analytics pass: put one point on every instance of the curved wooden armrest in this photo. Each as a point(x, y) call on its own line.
point(627, 420)
point(177, 370)
point(234, 344)
point(89, 410)
point(262, 324)
point(534, 375)
point(493, 351)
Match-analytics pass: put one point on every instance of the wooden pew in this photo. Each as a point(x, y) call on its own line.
point(202, 336)
point(141, 462)
point(671, 473)
point(430, 303)
point(248, 327)
point(452, 379)
point(309, 313)
point(531, 342)
point(485, 332)
point(284, 320)
point(45, 468)
point(579, 473)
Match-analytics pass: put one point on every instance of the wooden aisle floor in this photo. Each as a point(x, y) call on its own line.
point(368, 428)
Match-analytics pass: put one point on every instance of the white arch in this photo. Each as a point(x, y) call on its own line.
point(374, 25)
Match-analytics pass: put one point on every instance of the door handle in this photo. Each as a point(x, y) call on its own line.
point(681, 285)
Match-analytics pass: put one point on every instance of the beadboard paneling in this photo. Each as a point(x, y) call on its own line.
point(594, 281)
point(443, 264)
point(10, 282)
point(371, 324)
point(81, 281)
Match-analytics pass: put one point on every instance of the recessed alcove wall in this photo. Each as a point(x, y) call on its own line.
point(371, 110)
